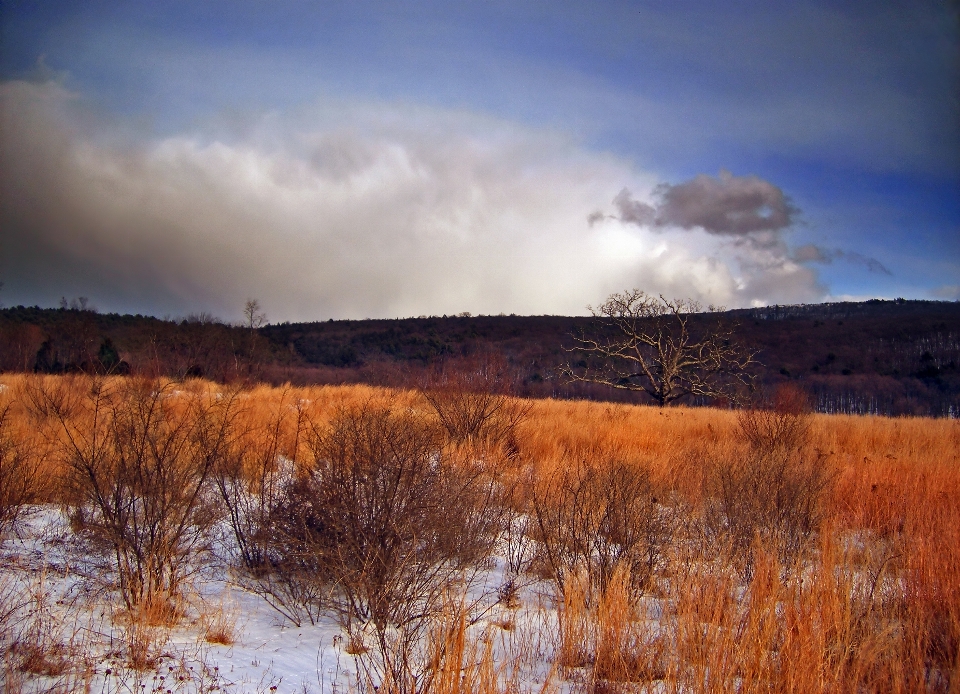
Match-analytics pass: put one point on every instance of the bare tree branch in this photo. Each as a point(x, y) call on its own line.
point(646, 343)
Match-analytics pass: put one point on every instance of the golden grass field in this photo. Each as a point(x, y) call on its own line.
point(871, 604)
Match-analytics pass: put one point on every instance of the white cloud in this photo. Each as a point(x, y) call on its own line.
point(365, 210)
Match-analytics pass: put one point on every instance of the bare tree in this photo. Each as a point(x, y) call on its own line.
point(253, 315)
point(647, 343)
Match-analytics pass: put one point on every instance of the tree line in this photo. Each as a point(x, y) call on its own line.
point(893, 357)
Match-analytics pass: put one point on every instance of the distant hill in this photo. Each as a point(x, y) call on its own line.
point(886, 357)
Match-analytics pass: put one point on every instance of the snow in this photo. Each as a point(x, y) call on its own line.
point(61, 596)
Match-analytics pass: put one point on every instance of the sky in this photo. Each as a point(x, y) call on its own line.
point(383, 159)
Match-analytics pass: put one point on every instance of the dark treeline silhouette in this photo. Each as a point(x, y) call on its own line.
point(880, 357)
point(72, 340)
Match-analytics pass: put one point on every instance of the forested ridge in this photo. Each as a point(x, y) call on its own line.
point(886, 357)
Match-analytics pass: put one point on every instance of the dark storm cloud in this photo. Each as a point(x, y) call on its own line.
point(595, 216)
point(727, 205)
point(633, 211)
point(811, 253)
point(850, 107)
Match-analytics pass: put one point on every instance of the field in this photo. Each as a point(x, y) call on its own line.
point(457, 540)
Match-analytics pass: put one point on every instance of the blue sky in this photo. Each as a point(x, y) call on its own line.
point(376, 159)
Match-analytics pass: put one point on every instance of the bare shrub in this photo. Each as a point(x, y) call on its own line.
point(252, 479)
point(295, 575)
point(137, 457)
point(19, 478)
point(597, 518)
point(474, 404)
point(782, 424)
point(774, 490)
point(394, 524)
point(518, 546)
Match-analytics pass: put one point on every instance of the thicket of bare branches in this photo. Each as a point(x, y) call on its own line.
point(473, 402)
point(252, 478)
point(137, 457)
point(380, 517)
point(394, 523)
point(595, 519)
point(774, 491)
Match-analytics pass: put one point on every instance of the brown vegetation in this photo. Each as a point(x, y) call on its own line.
point(20, 481)
point(135, 462)
point(688, 549)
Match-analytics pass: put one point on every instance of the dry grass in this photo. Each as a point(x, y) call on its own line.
point(220, 625)
point(871, 603)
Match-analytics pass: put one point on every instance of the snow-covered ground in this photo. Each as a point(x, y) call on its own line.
point(60, 609)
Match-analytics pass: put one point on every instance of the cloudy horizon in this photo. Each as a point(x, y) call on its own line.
point(349, 161)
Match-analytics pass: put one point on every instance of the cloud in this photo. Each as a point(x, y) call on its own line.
point(346, 210)
point(811, 253)
point(745, 216)
point(632, 211)
point(729, 204)
point(949, 292)
point(726, 205)
point(595, 217)
point(753, 216)
point(872, 264)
